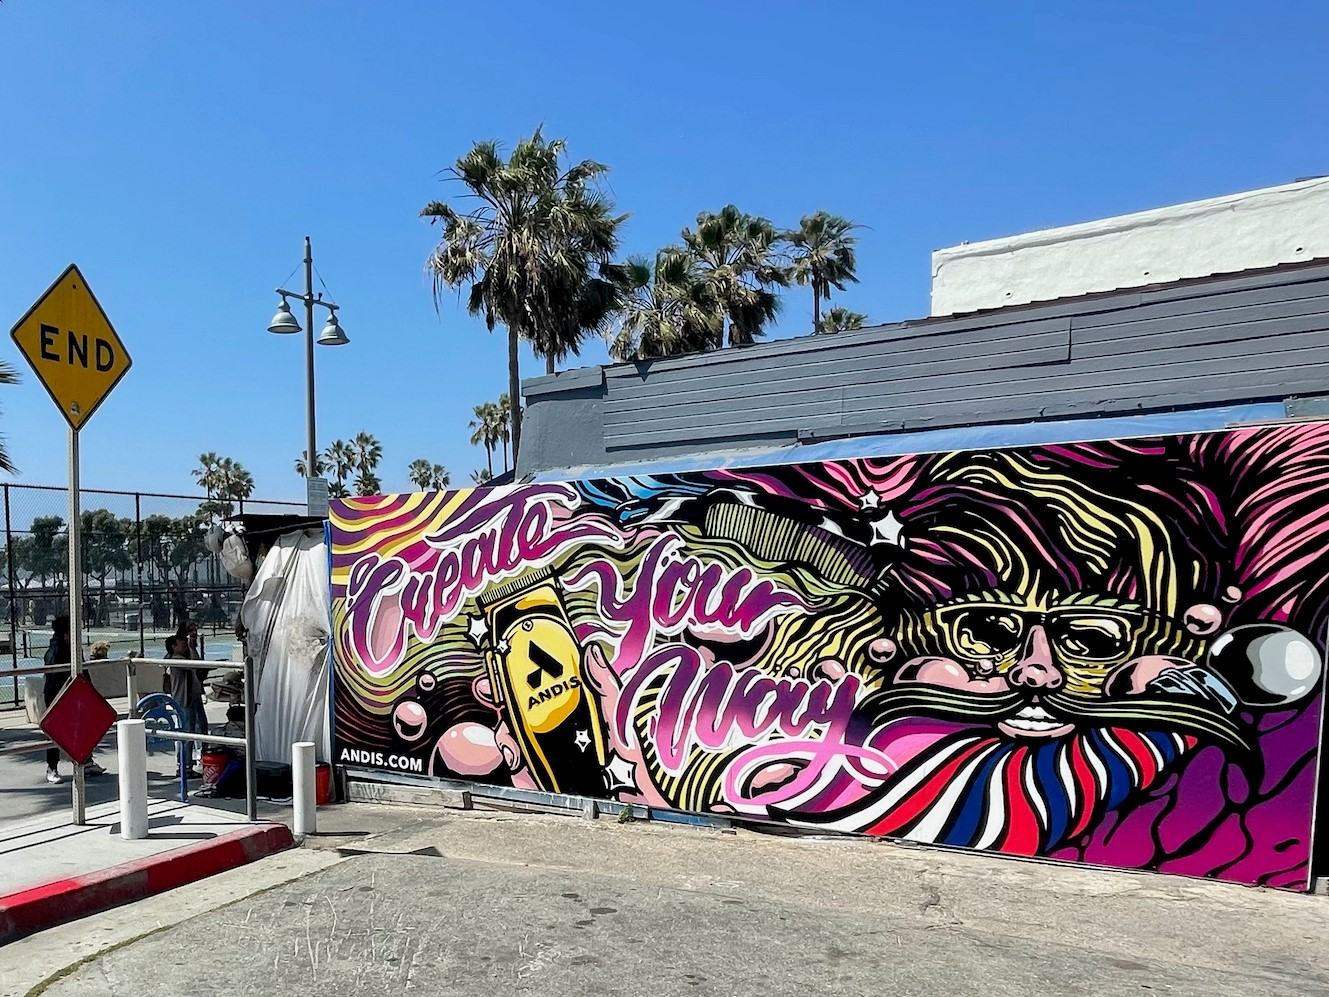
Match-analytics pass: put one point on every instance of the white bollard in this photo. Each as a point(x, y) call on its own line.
point(302, 787)
point(132, 738)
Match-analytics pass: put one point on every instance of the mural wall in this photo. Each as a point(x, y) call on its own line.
point(1105, 652)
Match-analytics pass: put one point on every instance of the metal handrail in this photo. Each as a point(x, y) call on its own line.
point(52, 669)
point(250, 703)
point(185, 735)
point(216, 663)
point(177, 662)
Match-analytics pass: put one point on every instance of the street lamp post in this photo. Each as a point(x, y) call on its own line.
point(284, 323)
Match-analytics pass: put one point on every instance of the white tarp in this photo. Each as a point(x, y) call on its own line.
point(286, 614)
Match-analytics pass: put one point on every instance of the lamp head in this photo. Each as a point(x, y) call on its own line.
point(283, 323)
point(332, 334)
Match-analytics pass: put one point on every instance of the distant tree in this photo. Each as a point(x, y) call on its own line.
point(157, 545)
point(186, 548)
point(236, 483)
point(302, 464)
point(430, 477)
point(821, 251)
point(368, 483)
point(104, 540)
point(206, 472)
point(227, 482)
point(485, 430)
point(481, 476)
point(504, 425)
point(368, 455)
point(840, 320)
point(171, 547)
point(737, 257)
point(44, 553)
point(340, 458)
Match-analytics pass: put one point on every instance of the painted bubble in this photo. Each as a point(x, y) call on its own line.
point(426, 682)
point(1266, 664)
point(828, 668)
point(469, 748)
point(1203, 619)
point(410, 719)
point(882, 650)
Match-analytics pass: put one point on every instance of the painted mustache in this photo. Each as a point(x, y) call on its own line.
point(1182, 715)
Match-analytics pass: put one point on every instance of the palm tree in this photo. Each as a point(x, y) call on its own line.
point(233, 482)
point(535, 249)
point(209, 477)
point(504, 425)
point(737, 258)
point(206, 472)
point(340, 460)
point(431, 477)
point(368, 454)
point(301, 463)
point(367, 483)
point(485, 431)
point(822, 255)
point(669, 310)
point(8, 375)
point(239, 483)
point(481, 476)
point(840, 320)
point(418, 472)
point(236, 483)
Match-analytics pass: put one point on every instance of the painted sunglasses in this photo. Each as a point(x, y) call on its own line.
point(1084, 634)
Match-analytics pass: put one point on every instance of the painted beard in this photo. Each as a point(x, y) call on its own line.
point(965, 776)
point(977, 788)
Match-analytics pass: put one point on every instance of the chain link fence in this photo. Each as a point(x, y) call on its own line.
point(145, 570)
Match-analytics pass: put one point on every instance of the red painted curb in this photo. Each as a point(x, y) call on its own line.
point(58, 902)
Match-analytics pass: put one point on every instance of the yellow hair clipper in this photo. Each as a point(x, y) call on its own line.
point(534, 664)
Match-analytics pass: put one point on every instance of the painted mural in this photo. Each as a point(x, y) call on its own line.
point(1104, 652)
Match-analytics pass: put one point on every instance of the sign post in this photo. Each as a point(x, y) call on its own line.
point(77, 355)
point(75, 533)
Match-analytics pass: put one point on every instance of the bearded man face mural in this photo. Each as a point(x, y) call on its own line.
point(1067, 625)
point(1106, 652)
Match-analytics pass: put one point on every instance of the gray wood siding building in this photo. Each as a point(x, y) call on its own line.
point(1256, 336)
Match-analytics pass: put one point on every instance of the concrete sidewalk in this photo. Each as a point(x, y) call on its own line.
point(25, 794)
point(52, 871)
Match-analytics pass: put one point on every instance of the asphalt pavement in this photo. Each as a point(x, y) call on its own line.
point(482, 903)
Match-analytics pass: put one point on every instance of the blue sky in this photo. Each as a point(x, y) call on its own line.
point(180, 152)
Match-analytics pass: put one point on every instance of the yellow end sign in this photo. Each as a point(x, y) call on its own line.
point(72, 347)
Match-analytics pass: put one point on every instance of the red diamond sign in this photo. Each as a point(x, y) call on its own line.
point(78, 719)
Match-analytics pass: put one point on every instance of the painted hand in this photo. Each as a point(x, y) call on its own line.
point(604, 682)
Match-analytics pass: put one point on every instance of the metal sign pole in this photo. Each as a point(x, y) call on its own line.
point(76, 605)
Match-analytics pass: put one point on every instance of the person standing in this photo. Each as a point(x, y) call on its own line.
point(187, 691)
point(59, 653)
point(189, 630)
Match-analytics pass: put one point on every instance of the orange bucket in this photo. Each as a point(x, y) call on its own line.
point(212, 764)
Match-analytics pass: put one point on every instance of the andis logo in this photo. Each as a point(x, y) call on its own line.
point(547, 667)
point(551, 692)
